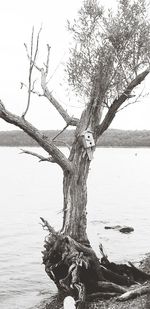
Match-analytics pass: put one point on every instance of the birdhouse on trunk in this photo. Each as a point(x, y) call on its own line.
point(88, 142)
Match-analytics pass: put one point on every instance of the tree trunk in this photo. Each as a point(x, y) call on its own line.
point(75, 195)
point(69, 262)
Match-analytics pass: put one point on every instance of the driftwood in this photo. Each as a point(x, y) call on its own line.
point(134, 293)
point(121, 229)
point(77, 271)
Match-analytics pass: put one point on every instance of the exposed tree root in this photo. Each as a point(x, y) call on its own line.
point(77, 271)
point(101, 295)
point(140, 273)
point(105, 286)
point(134, 293)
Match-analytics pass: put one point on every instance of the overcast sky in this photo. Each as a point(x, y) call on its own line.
point(16, 21)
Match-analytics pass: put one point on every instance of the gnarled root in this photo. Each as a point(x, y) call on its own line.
point(77, 271)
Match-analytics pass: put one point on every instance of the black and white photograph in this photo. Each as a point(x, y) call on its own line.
point(75, 154)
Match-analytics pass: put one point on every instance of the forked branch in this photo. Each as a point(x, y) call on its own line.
point(48, 94)
point(118, 102)
point(41, 139)
point(44, 74)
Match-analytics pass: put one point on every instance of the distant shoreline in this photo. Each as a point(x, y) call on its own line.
point(60, 146)
point(110, 139)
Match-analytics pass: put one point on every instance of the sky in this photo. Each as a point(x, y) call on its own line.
point(16, 21)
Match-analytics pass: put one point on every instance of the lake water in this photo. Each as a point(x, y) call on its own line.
point(118, 193)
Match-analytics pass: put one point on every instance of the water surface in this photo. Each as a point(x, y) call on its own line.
point(118, 193)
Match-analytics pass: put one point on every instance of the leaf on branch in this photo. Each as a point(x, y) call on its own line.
point(109, 49)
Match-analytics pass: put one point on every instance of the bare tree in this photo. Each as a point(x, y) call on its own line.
point(109, 59)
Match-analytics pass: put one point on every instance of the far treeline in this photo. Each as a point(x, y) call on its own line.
point(111, 138)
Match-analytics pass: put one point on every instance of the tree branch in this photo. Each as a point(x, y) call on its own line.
point(69, 120)
point(46, 225)
point(54, 138)
point(48, 55)
point(42, 140)
point(44, 72)
point(49, 159)
point(118, 102)
point(32, 90)
point(31, 66)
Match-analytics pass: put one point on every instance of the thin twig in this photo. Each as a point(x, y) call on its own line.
point(48, 94)
point(56, 68)
point(46, 225)
point(131, 103)
point(49, 159)
point(37, 93)
point(32, 90)
point(48, 56)
point(30, 74)
point(67, 125)
point(32, 64)
point(37, 46)
point(33, 84)
point(26, 48)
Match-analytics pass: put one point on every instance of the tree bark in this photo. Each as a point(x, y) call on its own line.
point(134, 293)
point(37, 135)
point(75, 195)
point(78, 272)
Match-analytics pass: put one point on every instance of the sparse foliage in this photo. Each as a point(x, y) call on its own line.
point(110, 58)
point(109, 47)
